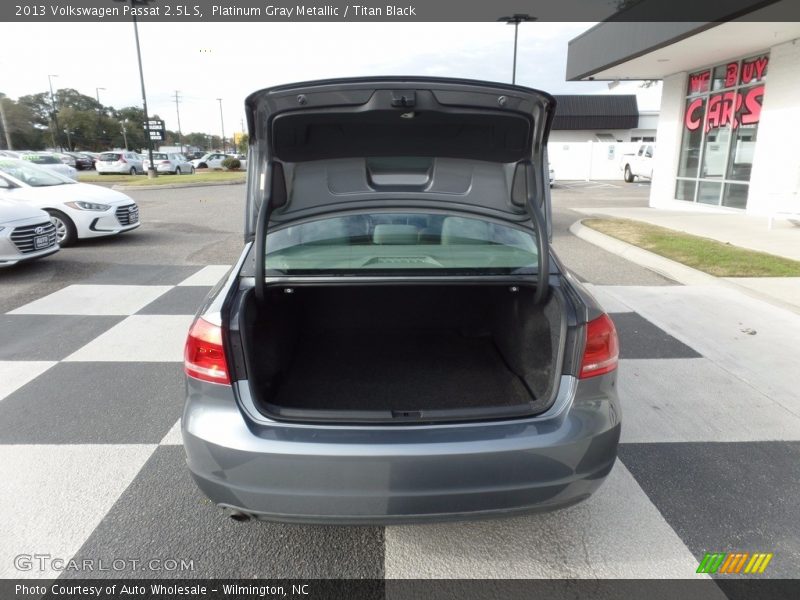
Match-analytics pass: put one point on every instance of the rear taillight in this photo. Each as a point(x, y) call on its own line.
point(122, 159)
point(164, 162)
point(601, 353)
point(204, 357)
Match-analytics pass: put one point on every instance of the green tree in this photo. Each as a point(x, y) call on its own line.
point(243, 143)
point(24, 129)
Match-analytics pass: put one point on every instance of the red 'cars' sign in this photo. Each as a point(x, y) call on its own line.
point(732, 107)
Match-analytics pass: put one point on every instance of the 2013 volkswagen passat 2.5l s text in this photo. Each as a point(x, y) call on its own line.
point(398, 342)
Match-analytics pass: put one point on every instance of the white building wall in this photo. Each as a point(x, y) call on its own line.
point(588, 160)
point(586, 135)
point(670, 129)
point(775, 179)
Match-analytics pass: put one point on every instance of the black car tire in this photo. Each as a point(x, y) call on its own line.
point(133, 171)
point(192, 171)
point(202, 166)
point(629, 176)
point(65, 228)
point(177, 170)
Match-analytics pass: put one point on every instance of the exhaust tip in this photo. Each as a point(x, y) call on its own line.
point(240, 516)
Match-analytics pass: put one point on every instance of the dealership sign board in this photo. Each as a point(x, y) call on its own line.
point(723, 107)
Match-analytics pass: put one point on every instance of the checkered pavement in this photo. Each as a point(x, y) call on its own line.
point(91, 393)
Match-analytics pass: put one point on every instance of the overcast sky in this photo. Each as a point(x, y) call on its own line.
point(206, 61)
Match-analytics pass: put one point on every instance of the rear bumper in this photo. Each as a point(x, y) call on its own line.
point(338, 474)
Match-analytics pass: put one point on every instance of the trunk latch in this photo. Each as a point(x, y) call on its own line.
point(405, 98)
point(406, 414)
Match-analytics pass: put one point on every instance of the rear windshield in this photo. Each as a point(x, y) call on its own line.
point(400, 242)
point(110, 156)
point(159, 156)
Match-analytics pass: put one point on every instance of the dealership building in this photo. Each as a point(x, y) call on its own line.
point(730, 106)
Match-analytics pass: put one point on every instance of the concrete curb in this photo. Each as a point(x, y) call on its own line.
point(172, 186)
point(666, 267)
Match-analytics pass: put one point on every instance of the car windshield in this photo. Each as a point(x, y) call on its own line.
point(30, 174)
point(400, 242)
point(42, 159)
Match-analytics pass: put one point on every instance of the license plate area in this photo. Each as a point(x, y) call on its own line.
point(41, 241)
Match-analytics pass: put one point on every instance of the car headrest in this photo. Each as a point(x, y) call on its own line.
point(459, 230)
point(395, 234)
point(324, 231)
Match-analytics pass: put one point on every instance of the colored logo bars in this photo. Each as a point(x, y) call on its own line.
point(732, 562)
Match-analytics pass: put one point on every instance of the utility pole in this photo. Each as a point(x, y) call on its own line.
point(5, 124)
point(222, 124)
point(99, 110)
point(515, 20)
point(54, 121)
point(125, 135)
point(178, 110)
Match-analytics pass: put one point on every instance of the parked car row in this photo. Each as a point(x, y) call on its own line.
point(42, 210)
point(47, 160)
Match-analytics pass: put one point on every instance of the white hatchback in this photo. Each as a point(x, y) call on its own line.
point(25, 232)
point(120, 162)
point(78, 210)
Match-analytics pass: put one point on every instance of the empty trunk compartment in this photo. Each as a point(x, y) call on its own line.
point(402, 352)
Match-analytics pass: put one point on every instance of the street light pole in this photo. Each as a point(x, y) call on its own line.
point(151, 171)
point(222, 125)
point(515, 20)
point(5, 124)
point(54, 120)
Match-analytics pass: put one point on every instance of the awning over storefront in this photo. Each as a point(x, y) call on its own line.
point(618, 50)
point(596, 112)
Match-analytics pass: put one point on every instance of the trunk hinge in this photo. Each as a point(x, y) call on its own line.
point(275, 196)
point(542, 238)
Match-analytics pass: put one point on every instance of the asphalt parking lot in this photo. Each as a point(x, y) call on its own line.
point(91, 393)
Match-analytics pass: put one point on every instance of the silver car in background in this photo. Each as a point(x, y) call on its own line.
point(49, 161)
point(398, 341)
point(170, 162)
point(26, 233)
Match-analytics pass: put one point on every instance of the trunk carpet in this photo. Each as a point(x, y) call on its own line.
point(398, 370)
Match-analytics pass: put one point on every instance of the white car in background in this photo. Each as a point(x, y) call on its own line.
point(49, 161)
point(120, 162)
point(25, 232)
point(78, 210)
point(170, 162)
point(212, 160)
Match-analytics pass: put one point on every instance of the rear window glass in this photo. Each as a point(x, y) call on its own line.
point(401, 242)
point(110, 156)
point(159, 156)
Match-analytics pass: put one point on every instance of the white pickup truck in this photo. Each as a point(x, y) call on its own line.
point(639, 164)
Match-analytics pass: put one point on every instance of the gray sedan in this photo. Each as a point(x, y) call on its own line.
point(398, 341)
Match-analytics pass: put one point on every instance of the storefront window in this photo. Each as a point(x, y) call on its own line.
point(692, 137)
point(720, 125)
point(685, 189)
point(708, 192)
point(735, 195)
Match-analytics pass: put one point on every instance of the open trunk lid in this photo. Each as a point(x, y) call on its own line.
point(351, 144)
